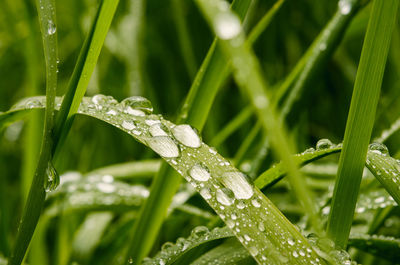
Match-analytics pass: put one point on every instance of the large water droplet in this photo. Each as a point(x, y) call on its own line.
point(128, 125)
point(323, 144)
point(199, 231)
point(138, 106)
point(199, 172)
point(379, 149)
point(223, 197)
point(227, 26)
point(157, 130)
point(186, 135)
point(51, 27)
point(52, 179)
point(164, 146)
point(344, 6)
point(236, 181)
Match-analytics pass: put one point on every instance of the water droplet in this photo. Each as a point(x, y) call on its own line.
point(199, 173)
point(261, 227)
point(52, 179)
point(205, 193)
point(130, 260)
point(157, 130)
point(199, 231)
point(256, 203)
point(105, 187)
point(51, 27)
point(186, 135)
point(128, 125)
point(164, 146)
point(236, 181)
point(379, 149)
point(290, 241)
point(227, 26)
point(223, 198)
point(323, 144)
point(344, 6)
point(136, 105)
point(253, 251)
point(107, 178)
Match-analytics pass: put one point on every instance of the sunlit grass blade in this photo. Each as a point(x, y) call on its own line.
point(361, 118)
point(36, 196)
point(195, 110)
point(249, 77)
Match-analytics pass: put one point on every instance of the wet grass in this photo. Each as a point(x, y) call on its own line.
point(277, 77)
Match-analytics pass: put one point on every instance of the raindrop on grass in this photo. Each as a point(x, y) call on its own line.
point(199, 231)
point(236, 181)
point(128, 125)
point(344, 7)
point(323, 144)
point(223, 197)
point(157, 130)
point(51, 27)
point(227, 26)
point(199, 172)
point(187, 135)
point(379, 149)
point(52, 179)
point(136, 105)
point(164, 146)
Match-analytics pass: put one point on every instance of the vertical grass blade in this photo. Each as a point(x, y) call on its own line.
point(47, 18)
point(83, 70)
point(361, 118)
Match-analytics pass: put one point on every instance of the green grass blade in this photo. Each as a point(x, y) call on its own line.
point(249, 77)
point(36, 196)
point(278, 171)
point(83, 70)
point(361, 118)
point(321, 49)
point(195, 110)
point(383, 246)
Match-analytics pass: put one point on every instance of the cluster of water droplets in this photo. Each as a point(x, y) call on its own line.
point(250, 215)
point(199, 235)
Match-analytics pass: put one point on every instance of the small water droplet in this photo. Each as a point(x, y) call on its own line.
point(187, 135)
point(205, 193)
point(52, 179)
point(51, 27)
point(253, 251)
point(344, 7)
point(199, 231)
point(199, 172)
point(227, 26)
point(236, 181)
point(136, 105)
point(379, 149)
point(323, 144)
point(128, 125)
point(164, 146)
point(255, 203)
point(223, 197)
point(290, 241)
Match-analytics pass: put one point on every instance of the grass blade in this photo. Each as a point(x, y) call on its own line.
point(36, 196)
point(361, 118)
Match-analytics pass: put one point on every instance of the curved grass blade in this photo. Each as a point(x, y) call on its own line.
point(200, 235)
point(47, 18)
point(278, 171)
point(361, 118)
point(224, 188)
point(382, 246)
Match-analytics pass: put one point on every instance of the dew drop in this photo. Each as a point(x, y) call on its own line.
point(261, 227)
point(223, 198)
point(136, 105)
point(205, 193)
point(156, 130)
point(227, 26)
point(164, 146)
point(199, 231)
point(256, 203)
point(323, 144)
point(344, 6)
point(128, 125)
point(253, 251)
point(199, 173)
point(51, 27)
point(236, 181)
point(186, 135)
point(52, 179)
point(379, 149)
point(105, 187)
point(290, 241)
